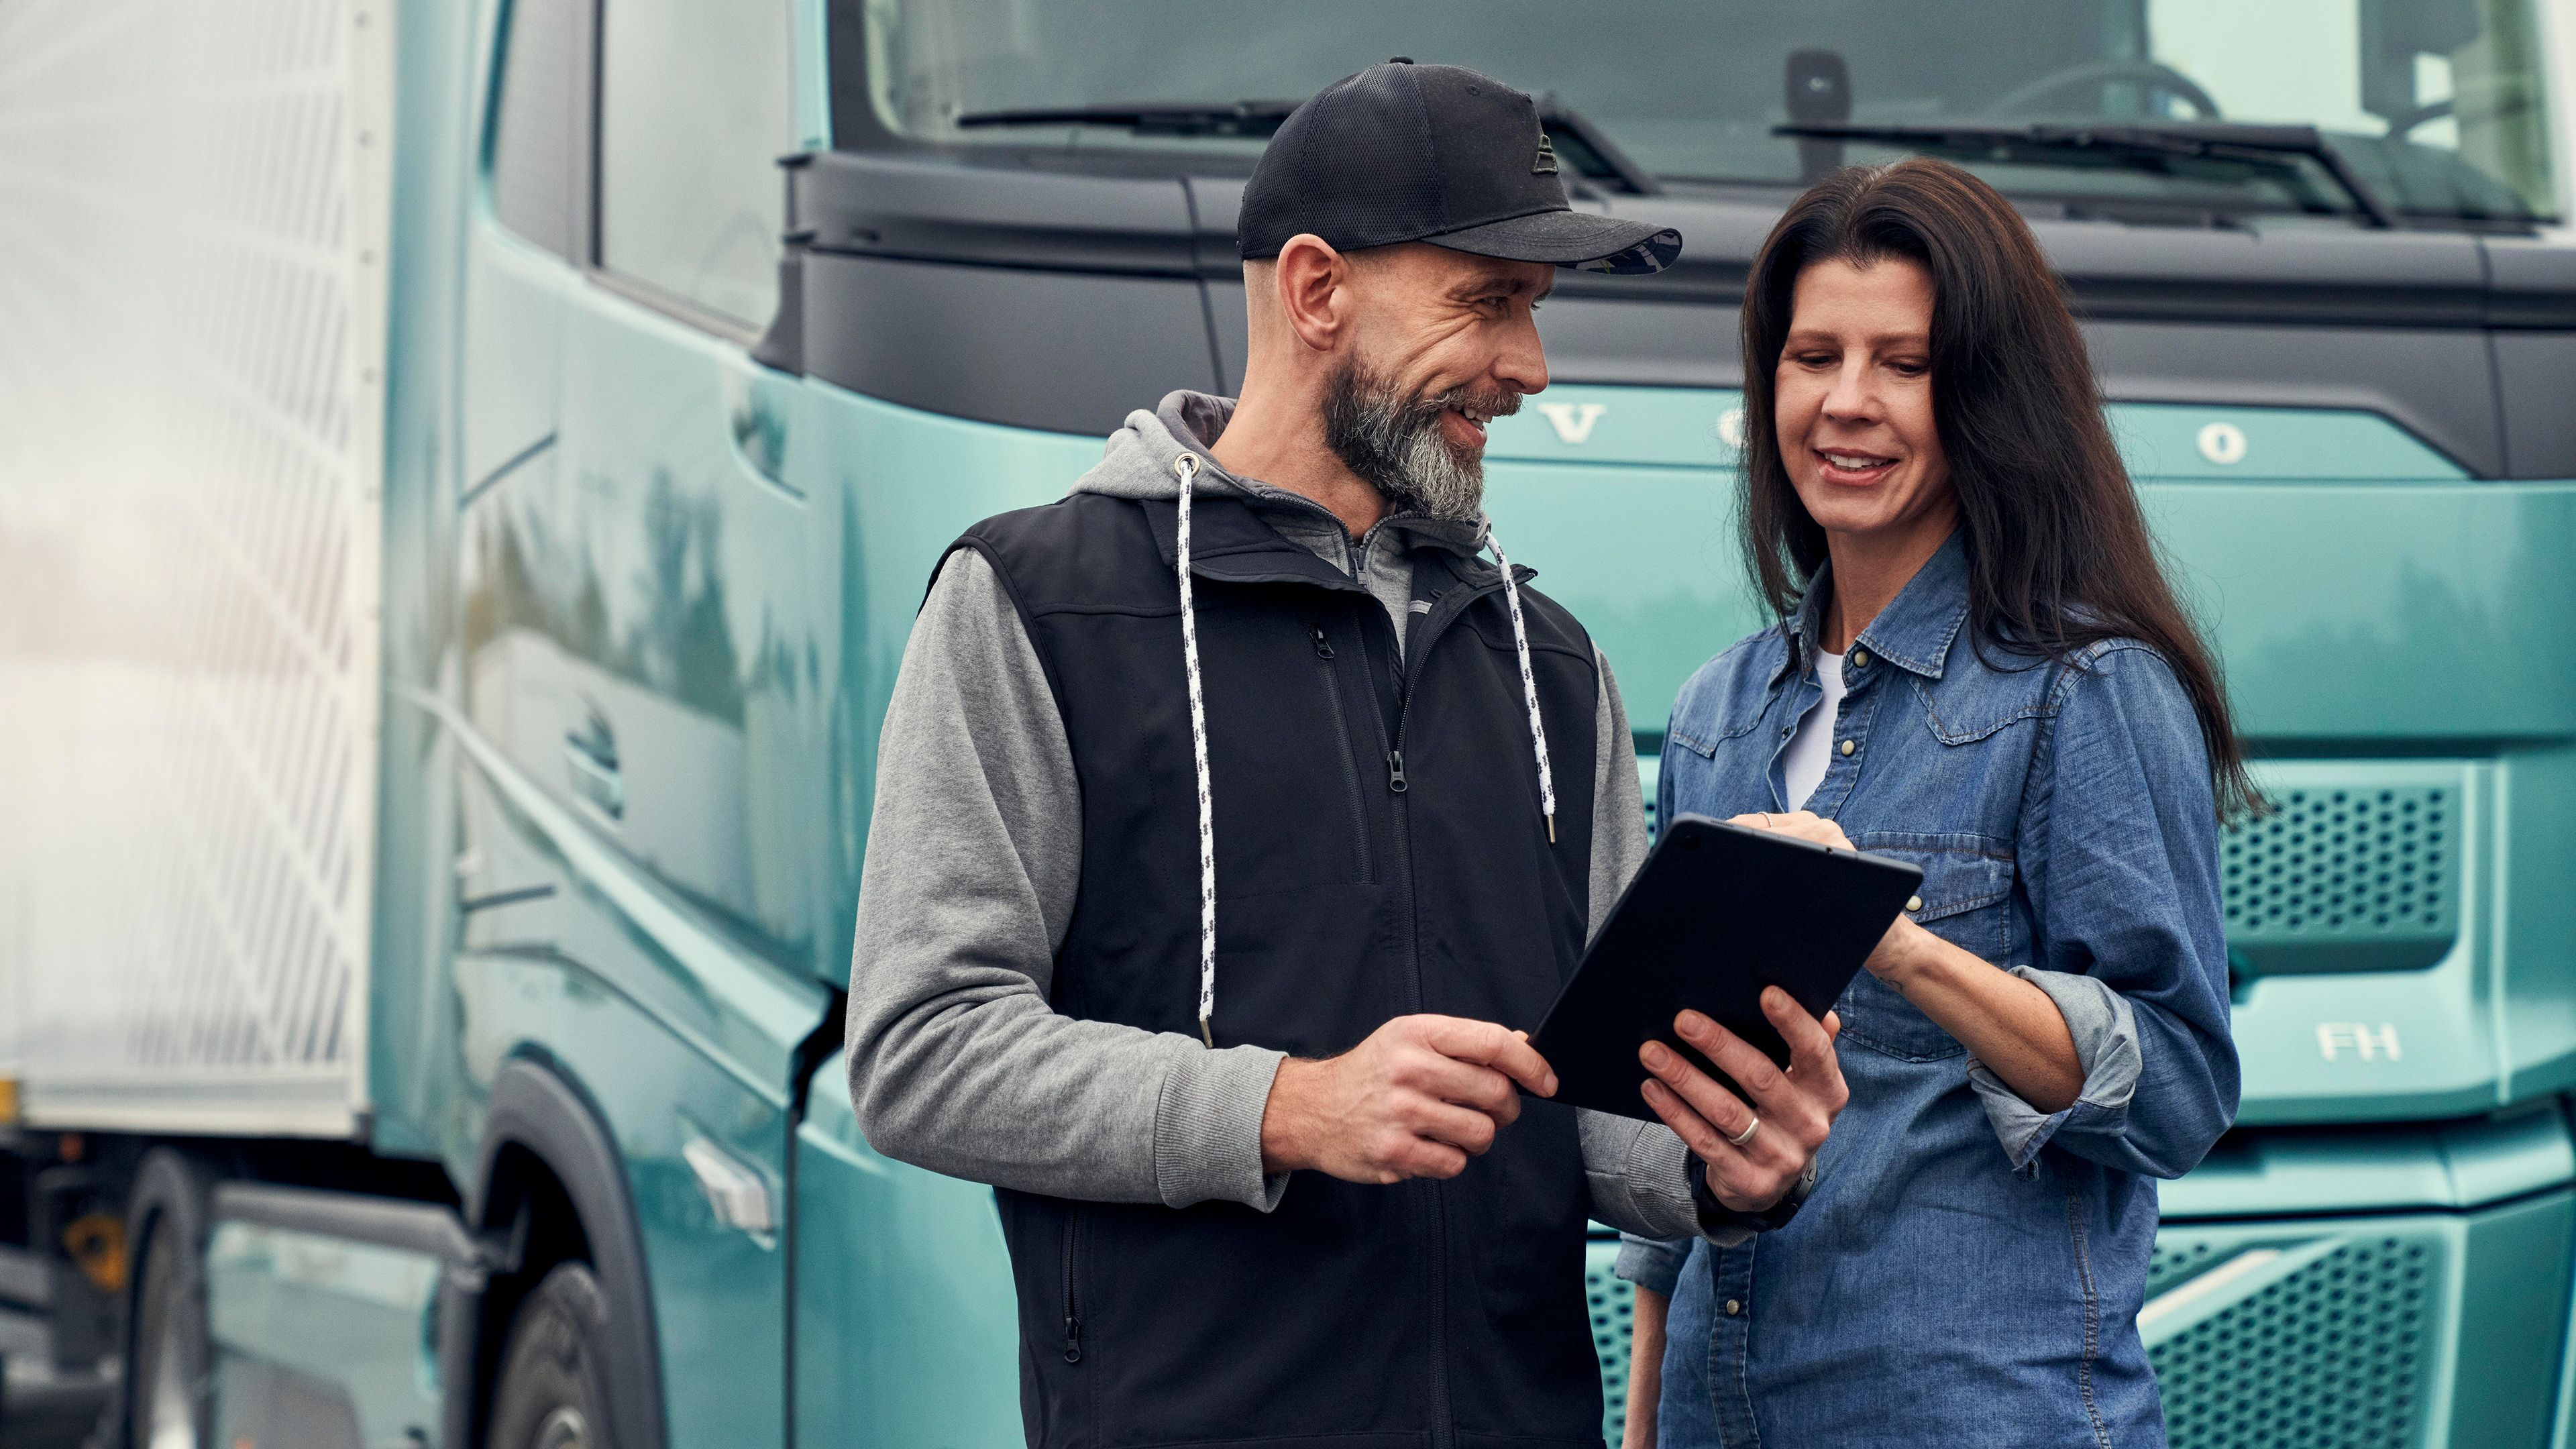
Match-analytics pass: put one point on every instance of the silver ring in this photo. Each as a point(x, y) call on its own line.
point(1766, 819)
point(1749, 1129)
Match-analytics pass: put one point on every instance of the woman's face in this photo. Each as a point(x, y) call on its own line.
point(1853, 399)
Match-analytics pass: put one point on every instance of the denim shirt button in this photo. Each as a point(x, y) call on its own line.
point(1734, 1307)
point(1850, 745)
point(1860, 657)
point(1914, 903)
point(1787, 730)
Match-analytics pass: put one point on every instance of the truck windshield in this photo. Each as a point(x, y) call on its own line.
point(2437, 106)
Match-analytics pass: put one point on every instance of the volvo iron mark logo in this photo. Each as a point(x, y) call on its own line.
point(1572, 421)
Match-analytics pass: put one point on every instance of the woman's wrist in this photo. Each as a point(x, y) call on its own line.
point(1904, 955)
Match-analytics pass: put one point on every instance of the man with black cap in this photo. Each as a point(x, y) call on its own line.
point(1230, 808)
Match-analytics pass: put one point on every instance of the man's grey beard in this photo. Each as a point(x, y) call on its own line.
point(1393, 441)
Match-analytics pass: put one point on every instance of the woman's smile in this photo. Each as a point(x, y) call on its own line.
point(1852, 468)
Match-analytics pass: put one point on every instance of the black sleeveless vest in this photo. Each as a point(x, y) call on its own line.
point(1351, 1317)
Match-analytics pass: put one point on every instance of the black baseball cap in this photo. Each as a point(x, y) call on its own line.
point(1432, 153)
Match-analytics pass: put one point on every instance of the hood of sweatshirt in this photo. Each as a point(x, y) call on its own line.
point(1138, 464)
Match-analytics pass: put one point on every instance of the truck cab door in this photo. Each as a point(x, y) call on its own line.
point(684, 736)
point(527, 230)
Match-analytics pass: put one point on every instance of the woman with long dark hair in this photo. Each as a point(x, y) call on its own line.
point(1980, 668)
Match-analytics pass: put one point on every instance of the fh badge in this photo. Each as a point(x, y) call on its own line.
point(2337, 1038)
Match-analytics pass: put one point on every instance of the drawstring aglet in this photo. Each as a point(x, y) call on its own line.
point(1551, 827)
point(1207, 1033)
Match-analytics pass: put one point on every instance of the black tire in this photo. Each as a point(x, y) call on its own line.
point(551, 1393)
point(169, 1392)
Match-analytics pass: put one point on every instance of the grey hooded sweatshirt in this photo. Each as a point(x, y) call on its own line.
point(957, 1061)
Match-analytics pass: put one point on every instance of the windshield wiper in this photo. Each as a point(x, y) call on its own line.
point(1238, 118)
point(2271, 148)
point(1580, 145)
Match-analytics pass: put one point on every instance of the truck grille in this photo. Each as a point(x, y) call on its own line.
point(2339, 1352)
point(2357, 869)
point(1613, 1301)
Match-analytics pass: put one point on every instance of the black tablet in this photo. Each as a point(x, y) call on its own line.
point(1717, 913)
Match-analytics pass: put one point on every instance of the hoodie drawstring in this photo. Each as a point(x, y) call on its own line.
point(1529, 688)
point(1187, 466)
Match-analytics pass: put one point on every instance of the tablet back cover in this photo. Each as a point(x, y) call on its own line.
point(1717, 913)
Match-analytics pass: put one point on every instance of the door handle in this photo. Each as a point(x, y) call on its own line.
point(590, 755)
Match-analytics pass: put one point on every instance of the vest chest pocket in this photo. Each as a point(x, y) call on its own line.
point(1966, 895)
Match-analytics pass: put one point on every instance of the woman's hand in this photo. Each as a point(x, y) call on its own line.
point(1753, 1160)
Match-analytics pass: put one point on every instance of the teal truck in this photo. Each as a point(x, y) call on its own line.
point(467, 470)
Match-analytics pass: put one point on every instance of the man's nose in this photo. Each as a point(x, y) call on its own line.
point(1523, 362)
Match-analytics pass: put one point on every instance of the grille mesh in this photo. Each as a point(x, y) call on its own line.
point(2338, 1353)
point(1613, 1301)
point(2346, 876)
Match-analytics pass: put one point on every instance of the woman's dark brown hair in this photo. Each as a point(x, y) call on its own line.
point(2058, 553)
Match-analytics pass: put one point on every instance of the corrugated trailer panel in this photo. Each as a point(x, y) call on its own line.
point(193, 213)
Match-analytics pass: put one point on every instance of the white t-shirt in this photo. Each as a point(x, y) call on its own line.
point(1811, 749)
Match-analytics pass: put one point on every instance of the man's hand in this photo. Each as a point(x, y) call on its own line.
point(1797, 1107)
point(1417, 1099)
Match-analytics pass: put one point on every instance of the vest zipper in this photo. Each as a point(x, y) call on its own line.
point(1350, 761)
point(1072, 1305)
point(1443, 1429)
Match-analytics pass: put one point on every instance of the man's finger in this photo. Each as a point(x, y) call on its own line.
point(1481, 1089)
point(1488, 1044)
point(1464, 1128)
point(1834, 1027)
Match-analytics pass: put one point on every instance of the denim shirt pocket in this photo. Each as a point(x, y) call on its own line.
point(1966, 895)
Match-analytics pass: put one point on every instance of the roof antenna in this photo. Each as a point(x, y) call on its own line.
point(1818, 87)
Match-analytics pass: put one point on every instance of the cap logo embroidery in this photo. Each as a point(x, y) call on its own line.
point(1545, 165)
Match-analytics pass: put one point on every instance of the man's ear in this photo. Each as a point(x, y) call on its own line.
point(1314, 290)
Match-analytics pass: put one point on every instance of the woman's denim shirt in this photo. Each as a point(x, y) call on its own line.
point(1969, 1268)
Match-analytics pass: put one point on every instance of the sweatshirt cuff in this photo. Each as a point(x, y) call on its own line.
point(1652, 1265)
point(1207, 1128)
point(2105, 1028)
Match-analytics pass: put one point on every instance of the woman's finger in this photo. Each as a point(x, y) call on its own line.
point(1758, 1076)
point(1811, 1046)
point(1756, 1174)
point(1721, 1109)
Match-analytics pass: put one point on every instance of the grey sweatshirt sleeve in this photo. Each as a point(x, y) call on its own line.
point(957, 1061)
point(1639, 1171)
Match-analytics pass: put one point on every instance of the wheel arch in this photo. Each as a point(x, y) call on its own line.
point(547, 1153)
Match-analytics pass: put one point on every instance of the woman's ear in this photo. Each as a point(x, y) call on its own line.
point(1313, 291)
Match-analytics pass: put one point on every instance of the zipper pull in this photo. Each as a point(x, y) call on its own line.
point(1323, 646)
point(1073, 1340)
point(1395, 771)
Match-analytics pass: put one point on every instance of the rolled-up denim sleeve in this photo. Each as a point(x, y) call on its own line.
point(1651, 1263)
point(2105, 1029)
point(2119, 851)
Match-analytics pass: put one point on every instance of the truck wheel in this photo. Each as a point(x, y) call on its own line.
point(168, 1403)
point(551, 1395)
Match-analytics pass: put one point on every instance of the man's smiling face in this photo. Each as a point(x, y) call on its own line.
point(1444, 342)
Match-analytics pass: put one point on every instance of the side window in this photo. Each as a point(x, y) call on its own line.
point(696, 108)
point(533, 133)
